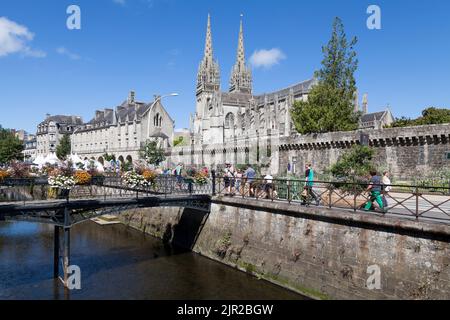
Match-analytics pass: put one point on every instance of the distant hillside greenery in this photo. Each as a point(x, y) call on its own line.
point(429, 116)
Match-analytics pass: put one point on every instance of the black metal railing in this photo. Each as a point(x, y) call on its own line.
point(417, 202)
point(112, 186)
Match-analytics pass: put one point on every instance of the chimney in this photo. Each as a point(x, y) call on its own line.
point(131, 97)
point(47, 115)
point(98, 114)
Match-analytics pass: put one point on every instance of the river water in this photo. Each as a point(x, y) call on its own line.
point(118, 263)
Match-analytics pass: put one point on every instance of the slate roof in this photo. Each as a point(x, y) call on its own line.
point(370, 117)
point(242, 99)
point(75, 120)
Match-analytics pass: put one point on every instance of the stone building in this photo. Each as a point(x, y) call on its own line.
point(123, 130)
point(376, 120)
point(30, 150)
point(52, 129)
point(221, 117)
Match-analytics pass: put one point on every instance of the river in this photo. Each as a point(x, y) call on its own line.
point(118, 263)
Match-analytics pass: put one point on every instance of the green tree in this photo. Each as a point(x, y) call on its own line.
point(178, 141)
point(108, 157)
point(64, 147)
point(152, 153)
point(10, 146)
point(330, 104)
point(429, 116)
point(354, 164)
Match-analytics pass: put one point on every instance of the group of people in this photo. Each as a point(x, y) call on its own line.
point(235, 180)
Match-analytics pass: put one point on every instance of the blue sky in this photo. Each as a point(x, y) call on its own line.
point(155, 46)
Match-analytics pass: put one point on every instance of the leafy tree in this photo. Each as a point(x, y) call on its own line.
point(108, 157)
point(152, 153)
point(64, 147)
point(178, 141)
point(434, 116)
point(10, 146)
point(353, 165)
point(330, 104)
point(429, 116)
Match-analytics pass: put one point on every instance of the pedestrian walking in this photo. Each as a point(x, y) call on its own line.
point(309, 179)
point(387, 187)
point(375, 191)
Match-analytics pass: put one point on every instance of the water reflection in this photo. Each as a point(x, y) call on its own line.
point(118, 263)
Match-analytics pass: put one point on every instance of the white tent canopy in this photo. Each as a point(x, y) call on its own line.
point(75, 158)
point(51, 158)
point(39, 161)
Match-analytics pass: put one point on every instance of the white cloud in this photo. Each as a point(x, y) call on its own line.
point(65, 52)
point(14, 38)
point(267, 58)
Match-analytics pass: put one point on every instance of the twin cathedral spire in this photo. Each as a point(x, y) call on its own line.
point(208, 78)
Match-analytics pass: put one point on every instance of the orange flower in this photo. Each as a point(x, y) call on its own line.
point(3, 175)
point(82, 177)
point(149, 175)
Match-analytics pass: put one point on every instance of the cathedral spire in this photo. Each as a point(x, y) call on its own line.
point(241, 52)
point(208, 42)
point(208, 77)
point(241, 76)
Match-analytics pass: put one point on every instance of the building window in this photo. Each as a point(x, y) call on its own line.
point(157, 120)
point(447, 155)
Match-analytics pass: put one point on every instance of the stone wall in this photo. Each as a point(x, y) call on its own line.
point(406, 152)
point(317, 252)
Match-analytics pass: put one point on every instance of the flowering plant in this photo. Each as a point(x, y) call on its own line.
point(61, 182)
point(19, 170)
point(201, 177)
point(149, 175)
point(3, 174)
point(134, 180)
point(82, 177)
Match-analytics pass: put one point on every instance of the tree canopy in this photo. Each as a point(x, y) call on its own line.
point(152, 153)
point(64, 147)
point(10, 146)
point(429, 116)
point(330, 104)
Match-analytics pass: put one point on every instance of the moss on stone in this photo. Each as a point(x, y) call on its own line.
point(312, 293)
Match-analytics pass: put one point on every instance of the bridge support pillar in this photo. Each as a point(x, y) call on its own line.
point(56, 248)
point(61, 250)
point(66, 255)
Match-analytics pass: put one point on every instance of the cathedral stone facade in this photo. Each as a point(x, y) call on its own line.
point(236, 126)
point(222, 117)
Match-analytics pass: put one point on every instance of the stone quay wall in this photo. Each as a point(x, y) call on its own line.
point(321, 253)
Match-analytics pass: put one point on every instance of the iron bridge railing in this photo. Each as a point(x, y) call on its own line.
point(416, 202)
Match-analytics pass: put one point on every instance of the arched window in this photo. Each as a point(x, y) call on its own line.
point(229, 121)
point(157, 120)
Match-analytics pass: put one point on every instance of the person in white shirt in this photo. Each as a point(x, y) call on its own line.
point(387, 187)
point(268, 186)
